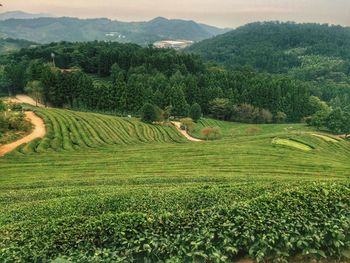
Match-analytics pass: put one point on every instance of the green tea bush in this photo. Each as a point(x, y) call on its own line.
point(273, 226)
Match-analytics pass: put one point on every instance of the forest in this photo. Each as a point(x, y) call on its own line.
point(121, 78)
point(313, 53)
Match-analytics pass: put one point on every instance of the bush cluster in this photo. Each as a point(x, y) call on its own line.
point(223, 109)
point(313, 220)
point(12, 119)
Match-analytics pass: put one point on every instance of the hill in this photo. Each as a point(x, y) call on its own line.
point(100, 188)
point(10, 45)
point(20, 15)
point(275, 47)
point(318, 54)
point(46, 30)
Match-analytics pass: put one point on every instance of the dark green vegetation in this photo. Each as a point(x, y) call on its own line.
point(11, 45)
point(100, 189)
point(12, 123)
point(51, 29)
point(336, 120)
point(315, 54)
point(121, 78)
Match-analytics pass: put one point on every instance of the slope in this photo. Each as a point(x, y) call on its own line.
point(46, 30)
point(315, 54)
point(100, 188)
point(275, 47)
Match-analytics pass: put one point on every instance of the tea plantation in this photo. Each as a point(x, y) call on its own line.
point(99, 188)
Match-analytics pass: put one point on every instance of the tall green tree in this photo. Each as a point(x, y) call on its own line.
point(35, 89)
point(148, 113)
point(178, 101)
point(195, 112)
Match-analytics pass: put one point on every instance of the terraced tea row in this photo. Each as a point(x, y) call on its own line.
point(70, 130)
point(109, 189)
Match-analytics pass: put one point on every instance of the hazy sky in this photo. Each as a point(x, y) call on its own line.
point(224, 13)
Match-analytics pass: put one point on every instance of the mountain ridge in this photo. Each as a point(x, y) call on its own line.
point(55, 29)
point(17, 14)
point(261, 44)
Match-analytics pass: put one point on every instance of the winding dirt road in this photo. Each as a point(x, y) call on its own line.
point(26, 99)
point(184, 133)
point(39, 131)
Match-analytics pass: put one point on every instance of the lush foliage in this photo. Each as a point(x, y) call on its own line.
point(316, 54)
point(12, 123)
point(8, 45)
point(264, 45)
point(195, 112)
point(172, 201)
point(335, 120)
point(149, 113)
point(130, 76)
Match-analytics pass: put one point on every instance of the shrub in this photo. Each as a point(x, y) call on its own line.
point(4, 125)
point(253, 131)
point(15, 107)
point(319, 119)
point(167, 113)
point(249, 114)
point(211, 133)
point(280, 117)
point(149, 113)
point(2, 106)
point(221, 108)
point(17, 122)
point(264, 116)
point(187, 124)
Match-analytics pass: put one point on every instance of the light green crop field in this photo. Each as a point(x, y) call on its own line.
point(105, 189)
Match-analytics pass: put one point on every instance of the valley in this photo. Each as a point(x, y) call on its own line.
point(173, 141)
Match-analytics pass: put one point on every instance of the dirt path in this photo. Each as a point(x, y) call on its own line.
point(184, 133)
point(39, 131)
point(25, 99)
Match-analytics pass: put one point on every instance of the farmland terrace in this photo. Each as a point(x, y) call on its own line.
point(101, 188)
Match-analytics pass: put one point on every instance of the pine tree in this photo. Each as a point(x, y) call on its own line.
point(195, 112)
point(178, 102)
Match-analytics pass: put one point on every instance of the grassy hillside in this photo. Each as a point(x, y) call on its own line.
point(100, 188)
point(69, 130)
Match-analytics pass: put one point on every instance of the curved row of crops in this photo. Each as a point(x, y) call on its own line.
point(70, 130)
point(94, 191)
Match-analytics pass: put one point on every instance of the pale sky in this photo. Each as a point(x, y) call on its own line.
point(223, 13)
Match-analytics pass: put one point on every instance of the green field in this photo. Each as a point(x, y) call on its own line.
point(105, 189)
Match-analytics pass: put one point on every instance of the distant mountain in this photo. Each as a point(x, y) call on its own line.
point(21, 15)
point(276, 47)
point(50, 29)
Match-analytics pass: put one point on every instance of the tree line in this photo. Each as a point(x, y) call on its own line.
point(122, 78)
point(313, 53)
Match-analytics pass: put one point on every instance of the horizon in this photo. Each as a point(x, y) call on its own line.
point(224, 13)
point(47, 15)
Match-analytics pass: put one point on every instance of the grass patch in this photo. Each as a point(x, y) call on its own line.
point(292, 143)
point(325, 137)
